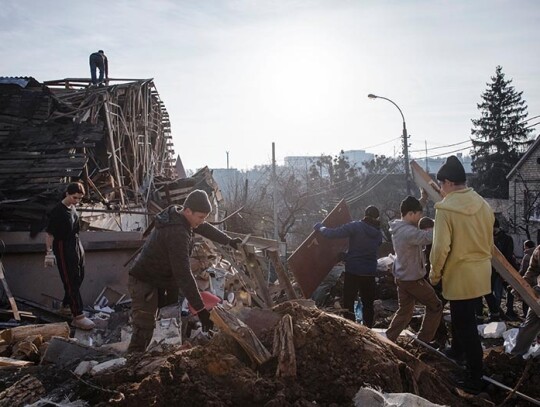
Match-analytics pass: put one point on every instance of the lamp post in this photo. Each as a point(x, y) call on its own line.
point(405, 141)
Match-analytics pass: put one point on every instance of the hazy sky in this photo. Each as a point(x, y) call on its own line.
point(238, 75)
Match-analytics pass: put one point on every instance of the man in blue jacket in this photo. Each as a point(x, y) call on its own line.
point(365, 237)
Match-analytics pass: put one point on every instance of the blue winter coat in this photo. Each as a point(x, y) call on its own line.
point(364, 240)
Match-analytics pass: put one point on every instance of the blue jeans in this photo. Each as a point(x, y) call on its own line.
point(96, 62)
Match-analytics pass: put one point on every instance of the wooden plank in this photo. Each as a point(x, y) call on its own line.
point(498, 261)
point(12, 302)
point(47, 331)
point(314, 258)
point(284, 348)
point(242, 333)
point(253, 267)
point(14, 362)
point(283, 278)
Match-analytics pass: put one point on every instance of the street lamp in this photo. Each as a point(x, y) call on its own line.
point(405, 141)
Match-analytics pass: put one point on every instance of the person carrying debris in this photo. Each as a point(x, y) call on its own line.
point(409, 272)
point(530, 329)
point(365, 237)
point(164, 265)
point(528, 249)
point(461, 258)
point(64, 248)
point(98, 60)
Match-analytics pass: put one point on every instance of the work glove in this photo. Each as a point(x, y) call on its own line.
point(318, 226)
point(50, 260)
point(206, 322)
point(235, 242)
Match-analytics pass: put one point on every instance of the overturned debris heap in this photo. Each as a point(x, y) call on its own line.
point(327, 361)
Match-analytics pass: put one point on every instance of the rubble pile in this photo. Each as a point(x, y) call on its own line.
point(334, 359)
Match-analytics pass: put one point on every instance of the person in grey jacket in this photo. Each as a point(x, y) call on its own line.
point(162, 267)
point(409, 273)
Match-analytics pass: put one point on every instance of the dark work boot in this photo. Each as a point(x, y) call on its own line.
point(472, 385)
point(140, 339)
point(453, 355)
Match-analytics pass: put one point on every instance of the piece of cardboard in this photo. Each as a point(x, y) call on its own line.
point(314, 258)
point(498, 261)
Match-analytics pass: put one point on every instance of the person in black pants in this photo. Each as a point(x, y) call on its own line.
point(64, 248)
point(365, 237)
point(461, 259)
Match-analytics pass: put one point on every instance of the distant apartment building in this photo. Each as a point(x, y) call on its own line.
point(304, 162)
point(432, 165)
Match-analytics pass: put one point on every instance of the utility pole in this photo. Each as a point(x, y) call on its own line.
point(226, 152)
point(427, 166)
point(406, 157)
point(274, 191)
point(405, 142)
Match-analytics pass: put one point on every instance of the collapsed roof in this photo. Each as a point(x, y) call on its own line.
point(116, 139)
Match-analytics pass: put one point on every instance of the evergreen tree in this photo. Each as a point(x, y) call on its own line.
point(500, 136)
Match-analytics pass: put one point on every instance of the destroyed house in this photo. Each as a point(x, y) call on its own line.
point(117, 141)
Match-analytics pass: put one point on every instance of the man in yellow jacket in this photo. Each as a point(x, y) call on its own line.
point(461, 258)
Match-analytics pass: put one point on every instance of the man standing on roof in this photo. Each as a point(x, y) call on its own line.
point(99, 60)
point(163, 264)
point(461, 258)
point(365, 237)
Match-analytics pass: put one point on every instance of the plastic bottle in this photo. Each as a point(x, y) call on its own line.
point(358, 311)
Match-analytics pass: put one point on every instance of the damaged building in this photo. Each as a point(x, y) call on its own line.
point(117, 141)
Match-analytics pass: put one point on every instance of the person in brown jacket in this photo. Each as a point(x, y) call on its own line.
point(162, 267)
point(530, 329)
point(528, 248)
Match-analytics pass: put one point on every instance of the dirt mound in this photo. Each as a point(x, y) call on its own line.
point(334, 359)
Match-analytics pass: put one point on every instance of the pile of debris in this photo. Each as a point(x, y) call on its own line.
point(319, 359)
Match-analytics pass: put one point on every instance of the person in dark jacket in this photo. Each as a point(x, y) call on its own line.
point(163, 265)
point(65, 249)
point(98, 60)
point(365, 237)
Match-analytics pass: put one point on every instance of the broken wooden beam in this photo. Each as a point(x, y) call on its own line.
point(47, 331)
point(13, 362)
point(12, 302)
point(283, 278)
point(284, 348)
point(243, 334)
point(254, 269)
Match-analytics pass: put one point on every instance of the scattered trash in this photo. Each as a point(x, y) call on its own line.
point(492, 330)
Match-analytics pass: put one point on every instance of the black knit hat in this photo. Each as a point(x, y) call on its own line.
point(410, 204)
point(198, 201)
point(452, 170)
point(372, 212)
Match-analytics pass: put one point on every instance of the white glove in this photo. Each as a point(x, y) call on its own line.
point(50, 260)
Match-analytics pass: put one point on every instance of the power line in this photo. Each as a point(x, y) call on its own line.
point(445, 146)
point(447, 152)
point(380, 144)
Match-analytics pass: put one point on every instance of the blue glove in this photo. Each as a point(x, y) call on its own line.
point(318, 226)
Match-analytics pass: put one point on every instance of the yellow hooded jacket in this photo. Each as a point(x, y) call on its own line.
point(462, 244)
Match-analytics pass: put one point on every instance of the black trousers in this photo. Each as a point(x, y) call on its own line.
point(465, 339)
point(70, 261)
point(366, 286)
